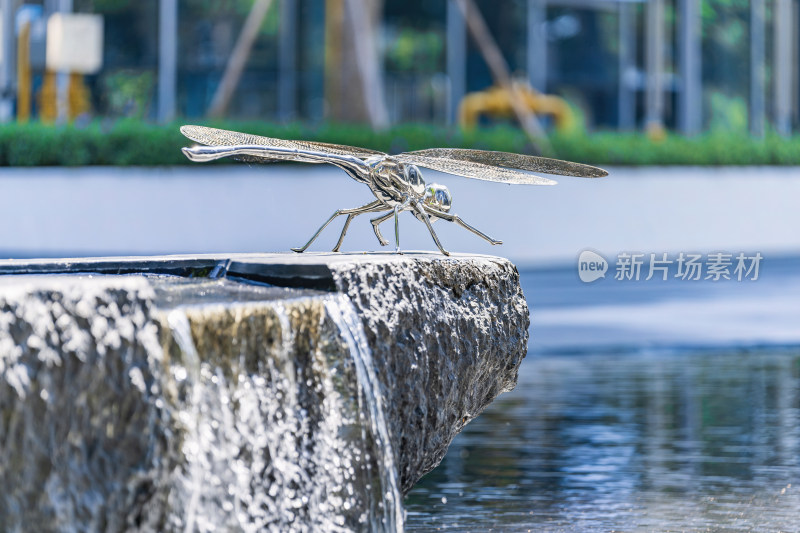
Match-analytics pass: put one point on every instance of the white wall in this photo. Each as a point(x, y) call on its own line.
point(90, 211)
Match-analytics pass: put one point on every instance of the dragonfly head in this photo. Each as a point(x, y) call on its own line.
point(438, 197)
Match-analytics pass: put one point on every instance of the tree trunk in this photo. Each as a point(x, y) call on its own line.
point(354, 89)
point(238, 60)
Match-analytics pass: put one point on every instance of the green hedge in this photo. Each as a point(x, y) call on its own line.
point(141, 143)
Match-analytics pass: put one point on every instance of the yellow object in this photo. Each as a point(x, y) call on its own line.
point(48, 98)
point(24, 73)
point(497, 102)
point(656, 131)
point(78, 98)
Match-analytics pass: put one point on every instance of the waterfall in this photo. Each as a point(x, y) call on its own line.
point(342, 312)
point(290, 436)
point(181, 330)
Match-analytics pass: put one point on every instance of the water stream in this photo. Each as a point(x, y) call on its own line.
point(282, 416)
point(342, 312)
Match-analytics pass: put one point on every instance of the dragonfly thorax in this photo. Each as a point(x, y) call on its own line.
point(394, 181)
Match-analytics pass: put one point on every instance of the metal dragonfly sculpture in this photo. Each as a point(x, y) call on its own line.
point(395, 180)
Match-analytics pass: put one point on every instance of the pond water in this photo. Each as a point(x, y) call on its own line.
point(668, 406)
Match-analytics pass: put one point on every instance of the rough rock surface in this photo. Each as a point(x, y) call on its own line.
point(130, 403)
point(82, 435)
point(447, 335)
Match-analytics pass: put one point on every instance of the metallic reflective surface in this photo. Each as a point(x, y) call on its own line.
point(478, 171)
point(217, 137)
point(438, 197)
point(509, 160)
point(395, 181)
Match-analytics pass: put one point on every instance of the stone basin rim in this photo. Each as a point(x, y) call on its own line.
point(310, 270)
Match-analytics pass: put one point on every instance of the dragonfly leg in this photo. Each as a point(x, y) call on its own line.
point(455, 218)
point(380, 220)
point(397, 210)
point(396, 230)
point(355, 211)
point(426, 219)
point(350, 217)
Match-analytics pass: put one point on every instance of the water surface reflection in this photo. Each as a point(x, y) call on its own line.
point(641, 407)
point(637, 442)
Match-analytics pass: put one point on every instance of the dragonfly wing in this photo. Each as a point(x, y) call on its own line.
point(474, 170)
point(356, 168)
point(509, 160)
point(217, 137)
point(218, 144)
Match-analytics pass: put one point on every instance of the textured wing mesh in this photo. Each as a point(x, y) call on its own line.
point(509, 160)
point(217, 137)
point(478, 171)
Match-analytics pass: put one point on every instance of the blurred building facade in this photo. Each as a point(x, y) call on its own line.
point(687, 65)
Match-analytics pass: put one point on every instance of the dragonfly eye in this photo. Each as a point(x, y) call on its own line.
point(438, 197)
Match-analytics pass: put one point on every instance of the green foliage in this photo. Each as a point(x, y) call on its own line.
point(129, 92)
point(124, 143)
point(728, 113)
point(415, 51)
point(133, 142)
point(712, 148)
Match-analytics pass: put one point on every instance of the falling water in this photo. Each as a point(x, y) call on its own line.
point(169, 404)
point(287, 439)
point(182, 333)
point(342, 312)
